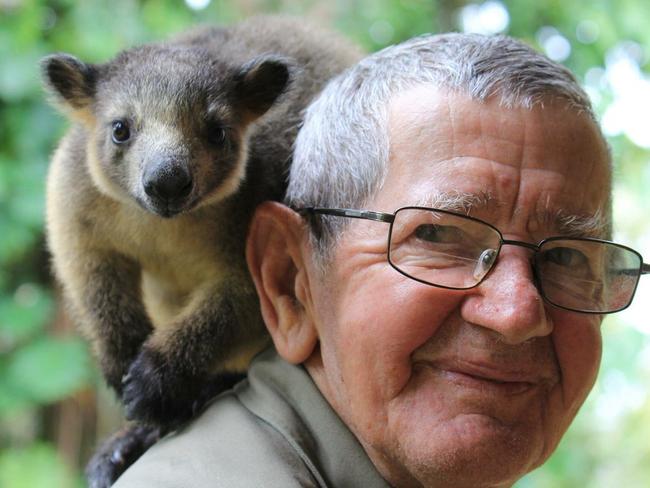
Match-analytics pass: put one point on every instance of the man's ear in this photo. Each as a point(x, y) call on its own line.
point(276, 262)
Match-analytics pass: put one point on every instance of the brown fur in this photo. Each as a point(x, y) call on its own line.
point(167, 299)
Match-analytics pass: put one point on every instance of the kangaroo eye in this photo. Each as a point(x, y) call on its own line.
point(217, 134)
point(121, 131)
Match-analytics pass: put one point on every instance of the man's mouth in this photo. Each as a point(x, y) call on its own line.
point(485, 383)
point(489, 377)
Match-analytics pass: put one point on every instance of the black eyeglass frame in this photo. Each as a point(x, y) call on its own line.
point(644, 268)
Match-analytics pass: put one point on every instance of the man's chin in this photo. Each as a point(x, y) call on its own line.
point(472, 451)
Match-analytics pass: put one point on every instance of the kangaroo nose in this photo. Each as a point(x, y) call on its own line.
point(167, 181)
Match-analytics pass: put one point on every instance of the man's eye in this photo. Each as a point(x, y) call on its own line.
point(120, 131)
point(566, 257)
point(442, 234)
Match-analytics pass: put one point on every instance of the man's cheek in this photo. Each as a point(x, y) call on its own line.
point(426, 310)
point(578, 349)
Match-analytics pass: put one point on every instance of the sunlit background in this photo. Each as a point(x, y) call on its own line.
point(52, 405)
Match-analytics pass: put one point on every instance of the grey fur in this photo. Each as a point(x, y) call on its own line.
point(157, 279)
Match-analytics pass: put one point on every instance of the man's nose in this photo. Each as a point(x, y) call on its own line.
point(508, 301)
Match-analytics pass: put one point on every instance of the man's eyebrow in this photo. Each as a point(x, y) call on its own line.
point(562, 222)
point(576, 225)
point(457, 201)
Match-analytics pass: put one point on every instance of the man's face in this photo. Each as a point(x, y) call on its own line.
point(472, 387)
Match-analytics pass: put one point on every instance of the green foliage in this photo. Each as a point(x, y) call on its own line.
point(607, 444)
point(35, 466)
point(45, 370)
point(24, 315)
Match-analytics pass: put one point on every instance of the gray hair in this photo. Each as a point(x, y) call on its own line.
point(342, 151)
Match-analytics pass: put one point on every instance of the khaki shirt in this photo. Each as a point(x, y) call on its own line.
point(274, 429)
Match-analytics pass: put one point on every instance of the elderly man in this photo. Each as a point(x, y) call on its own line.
point(434, 288)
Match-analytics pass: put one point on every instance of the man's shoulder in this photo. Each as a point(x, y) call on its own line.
point(226, 446)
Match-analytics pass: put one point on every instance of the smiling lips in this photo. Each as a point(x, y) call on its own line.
point(489, 377)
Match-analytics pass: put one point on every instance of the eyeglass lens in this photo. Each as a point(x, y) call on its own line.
point(454, 251)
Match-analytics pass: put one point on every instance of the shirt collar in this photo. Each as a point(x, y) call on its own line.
point(285, 396)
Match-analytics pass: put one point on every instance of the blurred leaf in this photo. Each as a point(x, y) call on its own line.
point(34, 467)
point(23, 314)
point(11, 400)
point(16, 240)
point(4, 185)
point(19, 75)
point(34, 130)
point(49, 368)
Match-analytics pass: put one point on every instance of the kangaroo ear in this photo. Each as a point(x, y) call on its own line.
point(71, 81)
point(260, 82)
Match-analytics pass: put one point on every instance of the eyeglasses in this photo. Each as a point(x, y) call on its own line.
point(450, 250)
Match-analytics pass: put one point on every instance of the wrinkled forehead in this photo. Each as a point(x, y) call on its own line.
point(546, 159)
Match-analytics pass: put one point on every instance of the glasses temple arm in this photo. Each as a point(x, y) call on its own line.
point(348, 212)
point(645, 268)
